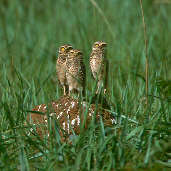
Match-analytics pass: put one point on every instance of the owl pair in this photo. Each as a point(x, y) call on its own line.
point(71, 69)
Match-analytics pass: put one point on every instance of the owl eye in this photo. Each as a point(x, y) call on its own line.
point(97, 45)
point(62, 49)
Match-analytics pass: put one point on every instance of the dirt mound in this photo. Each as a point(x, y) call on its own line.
point(69, 114)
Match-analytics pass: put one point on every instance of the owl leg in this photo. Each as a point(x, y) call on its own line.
point(64, 90)
point(70, 89)
point(97, 90)
point(80, 91)
point(99, 86)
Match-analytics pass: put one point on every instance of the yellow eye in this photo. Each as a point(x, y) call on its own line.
point(62, 49)
point(97, 45)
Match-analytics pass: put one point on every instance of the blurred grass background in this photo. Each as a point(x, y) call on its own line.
point(30, 34)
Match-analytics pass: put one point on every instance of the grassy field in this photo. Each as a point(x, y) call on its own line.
point(30, 34)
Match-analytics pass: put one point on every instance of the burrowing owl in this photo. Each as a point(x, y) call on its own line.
point(61, 65)
point(75, 71)
point(99, 64)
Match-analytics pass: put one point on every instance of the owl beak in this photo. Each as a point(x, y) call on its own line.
point(103, 44)
point(70, 47)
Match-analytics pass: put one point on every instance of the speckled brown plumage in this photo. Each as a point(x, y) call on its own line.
point(98, 64)
point(61, 65)
point(70, 114)
point(75, 71)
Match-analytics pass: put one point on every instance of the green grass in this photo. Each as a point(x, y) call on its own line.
point(30, 34)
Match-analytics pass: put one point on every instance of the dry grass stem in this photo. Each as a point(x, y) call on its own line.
point(146, 53)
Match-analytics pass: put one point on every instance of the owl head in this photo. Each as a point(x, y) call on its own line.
point(99, 45)
point(64, 49)
point(75, 53)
